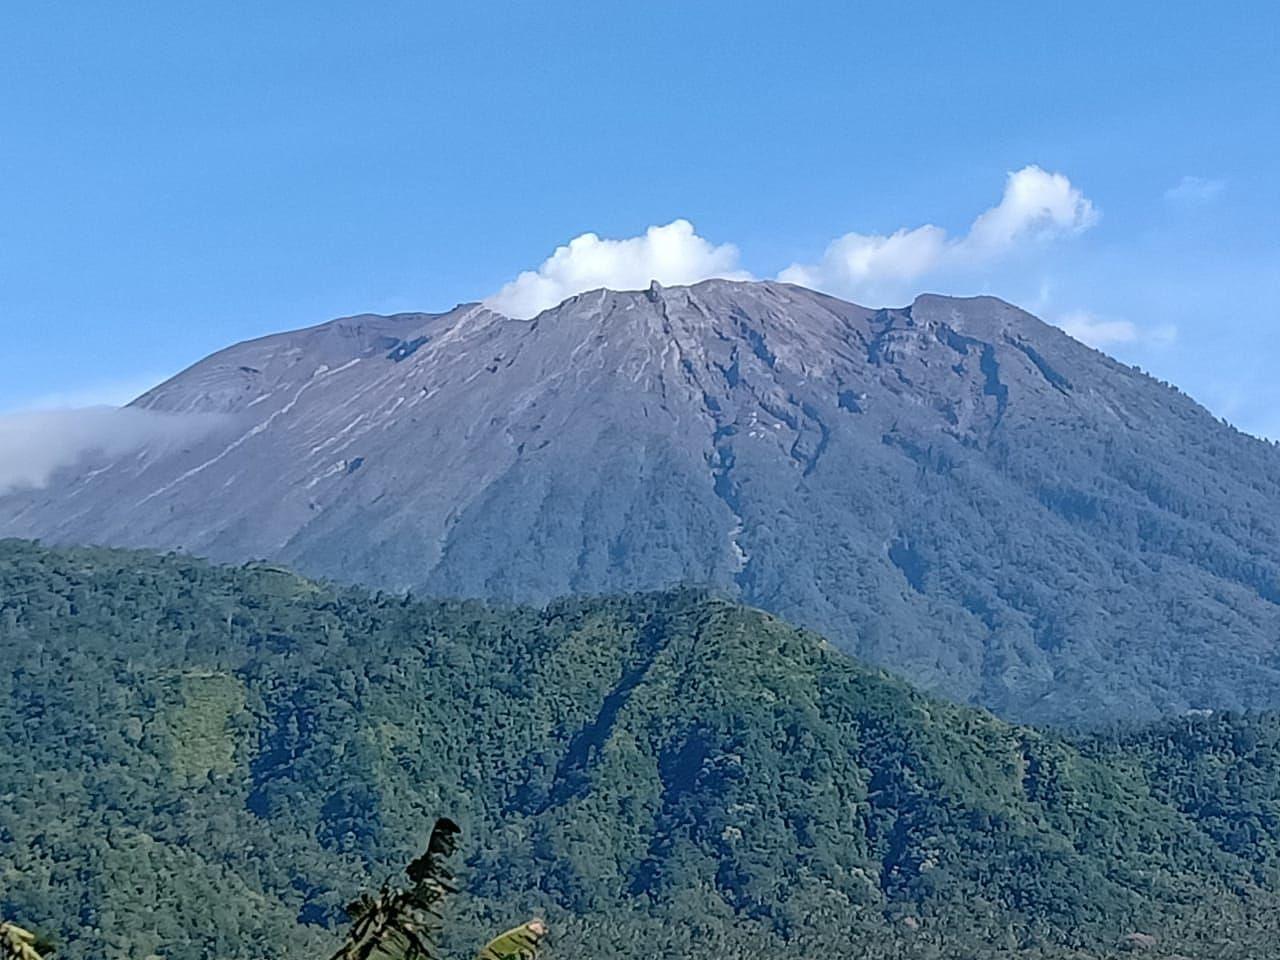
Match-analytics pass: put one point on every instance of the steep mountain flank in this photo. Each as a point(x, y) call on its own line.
point(954, 490)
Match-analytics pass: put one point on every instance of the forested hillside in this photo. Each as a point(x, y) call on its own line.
point(209, 762)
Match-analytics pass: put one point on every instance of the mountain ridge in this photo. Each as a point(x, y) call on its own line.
point(212, 761)
point(954, 489)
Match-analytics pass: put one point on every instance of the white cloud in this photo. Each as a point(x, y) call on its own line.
point(35, 444)
point(1037, 206)
point(1096, 332)
point(858, 261)
point(1194, 190)
point(1102, 332)
point(673, 254)
point(108, 393)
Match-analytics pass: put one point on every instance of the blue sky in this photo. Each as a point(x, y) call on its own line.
point(175, 177)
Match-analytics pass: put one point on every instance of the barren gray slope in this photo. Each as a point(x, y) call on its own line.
point(955, 490)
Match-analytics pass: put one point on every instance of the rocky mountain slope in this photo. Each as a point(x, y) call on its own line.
point(955, 489)
point(205, 762)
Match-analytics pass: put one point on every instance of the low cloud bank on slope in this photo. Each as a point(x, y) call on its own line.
point(35, 444)
point(875, 269)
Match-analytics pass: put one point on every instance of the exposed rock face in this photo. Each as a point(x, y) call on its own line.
point(955, 489)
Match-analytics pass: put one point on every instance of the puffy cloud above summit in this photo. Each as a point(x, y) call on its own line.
point(672, 254)
point(1037, 206)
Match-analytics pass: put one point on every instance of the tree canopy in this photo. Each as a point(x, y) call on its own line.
point(205, 761)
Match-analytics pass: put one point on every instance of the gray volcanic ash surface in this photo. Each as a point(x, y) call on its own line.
point(955, 490)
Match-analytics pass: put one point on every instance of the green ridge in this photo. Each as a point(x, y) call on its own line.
point(211, 762)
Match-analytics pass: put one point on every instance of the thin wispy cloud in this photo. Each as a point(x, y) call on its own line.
point(1194, 190)
point(1104, 332)
point(108, 393)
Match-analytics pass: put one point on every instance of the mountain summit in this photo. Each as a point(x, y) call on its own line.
point(953, 489)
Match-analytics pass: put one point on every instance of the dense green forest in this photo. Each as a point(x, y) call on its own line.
point(211, 762)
